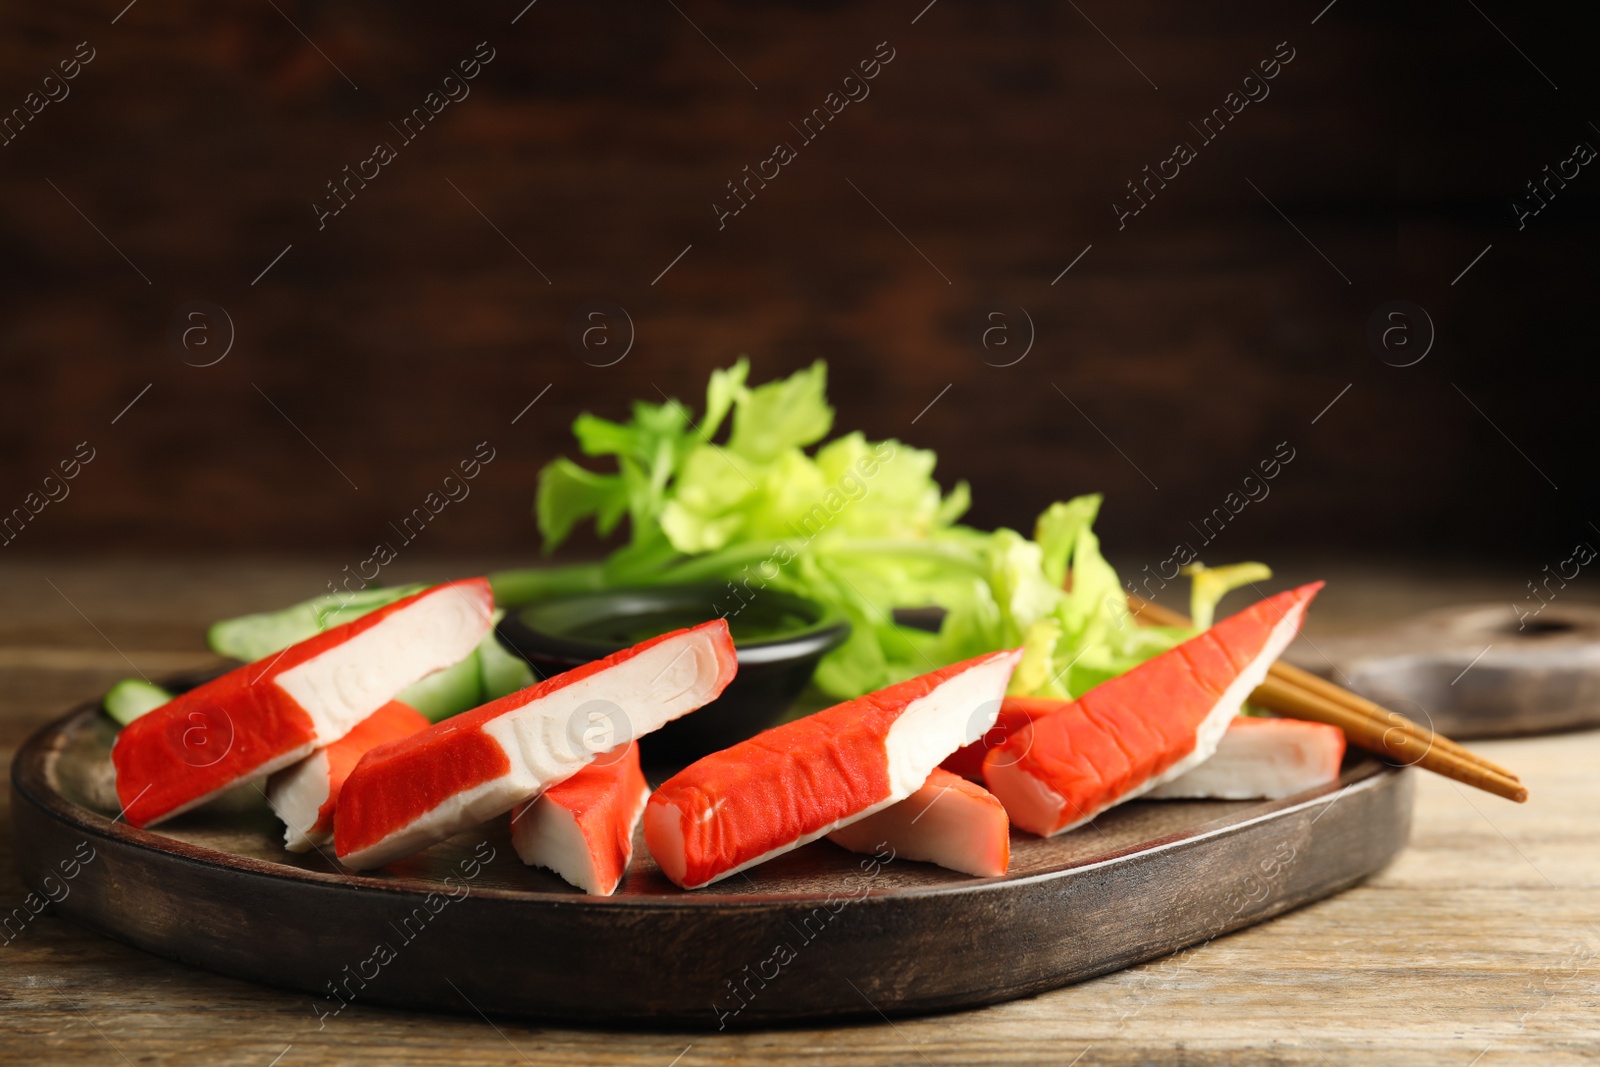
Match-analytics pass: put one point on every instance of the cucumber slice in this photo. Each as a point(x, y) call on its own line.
point(251, 637)
point(489, 673)
point(449, 692)
point(500, 671)
point(133, 697)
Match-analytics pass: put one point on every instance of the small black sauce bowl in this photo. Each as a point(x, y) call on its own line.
point(787, 636)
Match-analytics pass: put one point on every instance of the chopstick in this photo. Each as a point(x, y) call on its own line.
point(1300, 694)
point(1377, 736)
point(1303, 679)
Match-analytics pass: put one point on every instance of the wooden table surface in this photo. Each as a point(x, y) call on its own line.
point(1477, 946)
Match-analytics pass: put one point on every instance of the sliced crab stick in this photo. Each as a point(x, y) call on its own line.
point(405, 796)
point(306, 794)
point(582, 829)
point(800, 781)
point(1015, 713)
point(1262, 759)
point(949, 821)
point(1132, 733)
point(264, 716)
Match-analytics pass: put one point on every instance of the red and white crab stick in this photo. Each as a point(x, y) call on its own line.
point(582, 829)
point(1262, 759)
point(306, 794)
point(1256, 758)
point(800, 781)
point(950, 821)
point(1130, 734)
point(466, 770)
point(264, 716)
point(1015, 713)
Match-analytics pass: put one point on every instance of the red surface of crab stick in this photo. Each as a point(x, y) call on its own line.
point(1140, 729)
point(582, 829)
point(1015, 713)
point(949, 821)
point(1262, 759)
point(405, 796)
point(797, 782)
point(305, 795)
point(264, 716)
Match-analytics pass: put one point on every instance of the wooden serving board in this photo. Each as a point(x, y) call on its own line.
point(1477, 670)
point(819, 933)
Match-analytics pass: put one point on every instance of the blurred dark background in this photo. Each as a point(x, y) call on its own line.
point(1176, 353)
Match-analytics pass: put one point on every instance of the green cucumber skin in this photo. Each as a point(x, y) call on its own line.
point(252, 637)
point(448, 692)
point(488, 673)
point(501, 672)
point(133, 697)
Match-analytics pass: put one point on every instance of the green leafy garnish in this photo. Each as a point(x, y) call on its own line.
point(860, 526)
point(756, 496)
point(1208, 585)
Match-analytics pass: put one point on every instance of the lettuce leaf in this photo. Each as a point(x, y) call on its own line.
point(789, 413)
point(754, 494)
point(860, 526)
point(1208, 585)
point(568, 494)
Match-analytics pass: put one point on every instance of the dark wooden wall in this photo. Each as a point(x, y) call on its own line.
point(1190, 342)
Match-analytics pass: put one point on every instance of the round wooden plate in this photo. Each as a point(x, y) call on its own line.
point(1477, 670)
point(819, 933)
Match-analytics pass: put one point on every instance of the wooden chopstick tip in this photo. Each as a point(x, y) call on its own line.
point(1297, 693)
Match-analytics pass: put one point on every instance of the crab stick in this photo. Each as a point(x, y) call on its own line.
point(1015, 713)
point(407, 795)
point(949, 821)
point(1140, 729)
point(582, 829)
point(805, 779)
point(306, 794)
point(264, 716)
point(1262, 759)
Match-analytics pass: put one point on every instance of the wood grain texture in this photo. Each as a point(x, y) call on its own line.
point(1480, 936)
point(1196, 338)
